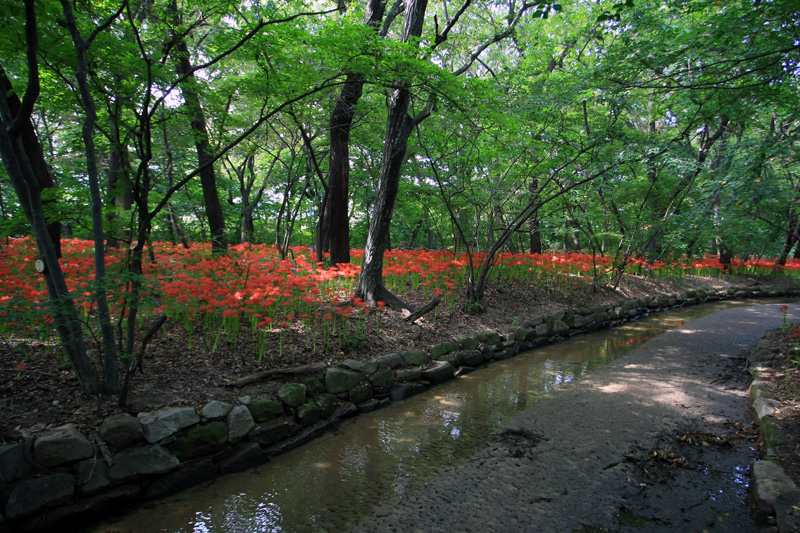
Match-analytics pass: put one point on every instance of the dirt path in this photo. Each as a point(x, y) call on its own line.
point(660, 440)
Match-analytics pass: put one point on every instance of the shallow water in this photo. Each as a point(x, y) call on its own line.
point(332, 482)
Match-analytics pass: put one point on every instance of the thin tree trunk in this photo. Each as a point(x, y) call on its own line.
point(110, 364)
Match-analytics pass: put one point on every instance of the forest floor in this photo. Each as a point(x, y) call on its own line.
point(38, 391)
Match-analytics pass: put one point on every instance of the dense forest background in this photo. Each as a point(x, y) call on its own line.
point(628, 130)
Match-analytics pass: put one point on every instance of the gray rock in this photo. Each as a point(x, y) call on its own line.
point(442, 349)
point(401, 391)
point(274, 431)
point(327, 403)
point(414, 357)
point(768, 481)
point(292, 394)
point(216, 410)
point(102, 503)
point(448, 358)
point(263, 409)
point(383, 378)
point(508, 353)
point(367, 367)
point(785, 510)
point(361, 392)
point(405, 375)
point(182, 478)
point(346, 410)
point(304, 436)
point(508, 340)
point(342, 380)
point(472, 357)
point(200, 441)
point(121, 430)
point(765, 407)
point(542, 330)
point(560, 328)
point(13, 464)
point(491, 337)
point(239, 422)
point(166, 422)
point(92, 476)
point(468, 343)
point(139, 462)
point(439, 373)
point(314, 387)
point(391, 360)
point(62, 445)
point(31, 495)
point(308, 414)
point(244, 456)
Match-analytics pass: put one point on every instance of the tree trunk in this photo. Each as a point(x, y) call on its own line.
point(26, 184)
point(110, 364)
point(33, 150)
point(208, 181)
point(335, 224)
point(398, 129)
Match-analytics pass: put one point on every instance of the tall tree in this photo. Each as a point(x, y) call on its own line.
point(335, 223)
point(205, 157)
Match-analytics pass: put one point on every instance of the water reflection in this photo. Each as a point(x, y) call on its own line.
point(330, 483)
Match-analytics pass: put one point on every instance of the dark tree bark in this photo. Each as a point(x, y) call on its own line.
point(118, 185)
point(26, 184)
point(398, 129)
point(110, 365)
point(174, 226)
point(335, 224)
point(33, 150)
point(246, 177)
point(208, 180)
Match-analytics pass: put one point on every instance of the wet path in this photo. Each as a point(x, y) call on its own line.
point(572, 469)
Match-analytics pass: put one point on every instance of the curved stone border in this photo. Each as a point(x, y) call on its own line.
point(775, 496)
point(65, 474)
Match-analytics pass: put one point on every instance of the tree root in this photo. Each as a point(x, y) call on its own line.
point(422, 310)
point(263, 376)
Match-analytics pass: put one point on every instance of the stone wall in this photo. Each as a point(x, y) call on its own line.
point(68, 474)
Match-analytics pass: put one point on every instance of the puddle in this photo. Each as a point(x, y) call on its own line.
point(334, 481)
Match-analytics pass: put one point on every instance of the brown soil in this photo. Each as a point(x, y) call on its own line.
point(37, 390)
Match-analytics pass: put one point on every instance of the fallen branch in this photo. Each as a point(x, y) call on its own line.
point(102, 446)
point(267, 374)
point(422, 310)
